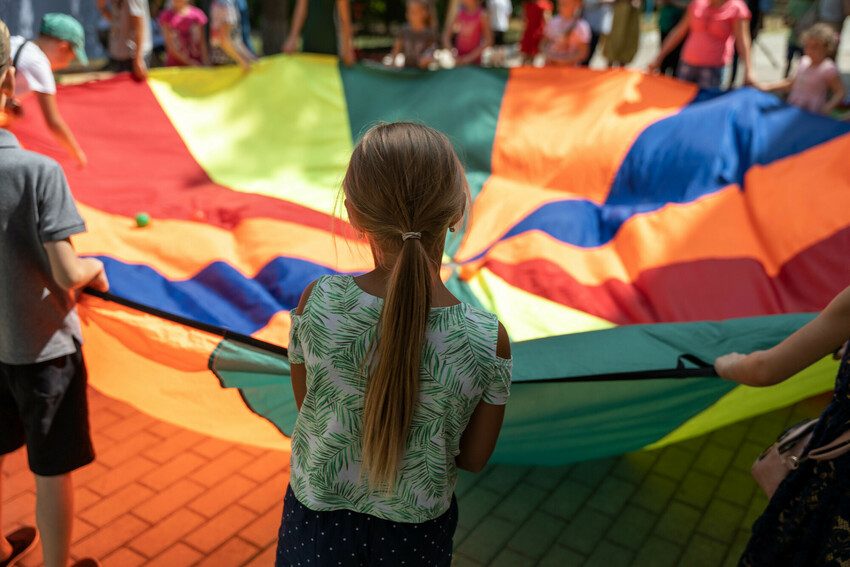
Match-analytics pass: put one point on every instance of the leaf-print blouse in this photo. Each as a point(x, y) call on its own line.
point(333, 337)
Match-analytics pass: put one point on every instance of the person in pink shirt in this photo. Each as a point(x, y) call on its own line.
point(471, 26)
point(566, 38)
point(713, 29)
point(183, 28)
point(817, 76)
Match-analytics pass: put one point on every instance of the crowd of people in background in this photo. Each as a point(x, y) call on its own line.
point(702, 41)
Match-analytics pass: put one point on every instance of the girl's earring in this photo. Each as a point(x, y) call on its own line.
point(451, 229)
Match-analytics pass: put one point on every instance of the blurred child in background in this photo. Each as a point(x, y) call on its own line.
point(472, 33)
point(226, 36)
point(183, 26)
point(566, 38)
point(417, 39)
point(500, 19)
point(535, 13)
point(816, 85)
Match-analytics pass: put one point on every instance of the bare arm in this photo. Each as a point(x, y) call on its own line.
point(396, 50)
point(743, 42)
point(298, 372)
point(346, 35)
point(822, 336)
point(59, 127)
point(173, 47)
point(673, 40)
point(140, 68)
point(782, 86)
point(481, 433)
point(447, 32)
point(72, 272)
point(836, 86)
point(298, 18)
point(226, 44)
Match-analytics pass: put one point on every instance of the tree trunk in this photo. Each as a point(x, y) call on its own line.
point(274, 24)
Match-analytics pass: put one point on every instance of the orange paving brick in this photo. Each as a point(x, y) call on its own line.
point(19, 507)
point(169, 500)
point(123, 558)
point(21, 481)
point(102, 418)
point(172, 471)
point(179, 555)
point(222, 466)
point(167, 532)
point(221, 495)
point(234, 552)
point(111, 537)
point(83, 498)
point(266, 558)
point(117, 504)
point(267, 494)
point(164, 429)
point(212, 448)
point(225, 525)
point(127, 427)
point(99, 400)
point(15, 461)
point(268, 464)
point(263, 531)
point(121, 452)
point(121, 476)
point(80, 530)
point(87, 474)
point(173, 446)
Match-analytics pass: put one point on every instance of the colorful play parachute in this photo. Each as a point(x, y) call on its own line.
point(626, 229)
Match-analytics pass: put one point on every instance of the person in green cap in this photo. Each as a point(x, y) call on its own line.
point(61, 39)
point(325, 27)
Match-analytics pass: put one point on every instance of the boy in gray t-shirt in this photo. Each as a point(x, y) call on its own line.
point(42, 373)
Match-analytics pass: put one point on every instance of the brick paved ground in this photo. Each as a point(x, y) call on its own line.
point(160, 495)
point(688, 504)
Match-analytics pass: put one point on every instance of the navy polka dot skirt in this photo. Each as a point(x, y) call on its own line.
point(343, 537)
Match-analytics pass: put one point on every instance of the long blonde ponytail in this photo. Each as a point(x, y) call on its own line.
point(405, 186)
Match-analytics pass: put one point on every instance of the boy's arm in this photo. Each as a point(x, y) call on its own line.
point(820, 337)
point(298, 17)
point(59, 127)
point(72, 272)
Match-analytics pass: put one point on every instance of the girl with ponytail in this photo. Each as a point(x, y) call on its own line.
point(398, 383)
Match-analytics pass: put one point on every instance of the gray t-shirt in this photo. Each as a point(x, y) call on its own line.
point(122, 38)
point(38, 320)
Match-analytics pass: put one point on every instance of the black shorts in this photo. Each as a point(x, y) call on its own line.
point(343, 537)
point(498, 38)
point(44, 406)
